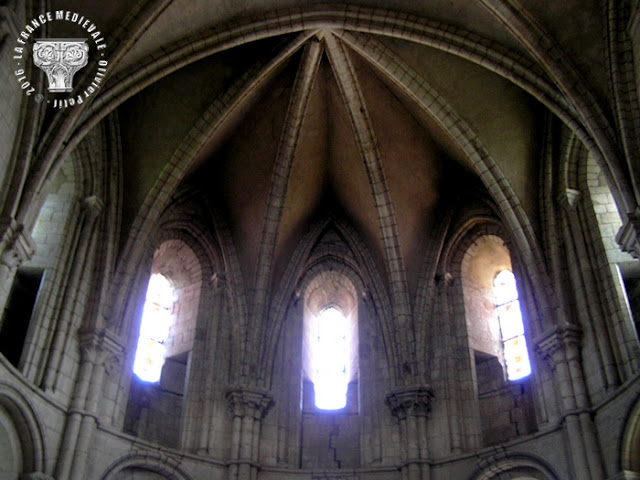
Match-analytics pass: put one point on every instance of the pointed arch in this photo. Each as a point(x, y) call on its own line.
point(466, 233)
point(164, 189)
point(480, 363)
point(560, 68)
point(354, 261)
point(504, 199)
point(185, 219)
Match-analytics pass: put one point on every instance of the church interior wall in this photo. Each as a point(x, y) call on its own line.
point(339, 178)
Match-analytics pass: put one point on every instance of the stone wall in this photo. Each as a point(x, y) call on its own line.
point(154, 411)
point(12, 96)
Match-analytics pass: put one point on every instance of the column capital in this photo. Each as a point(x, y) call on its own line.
point(249, 402)
point(415, 401)
point(558, 340)
point(628, 237)
point(99, 345)
point(16, 244)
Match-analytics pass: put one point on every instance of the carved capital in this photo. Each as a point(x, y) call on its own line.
point(100, 346)
point(88, 341)
point(559, 344)
point(16, 244)
point(244, 402)
point(60, 59)
point(411, 401)
point(628, 237)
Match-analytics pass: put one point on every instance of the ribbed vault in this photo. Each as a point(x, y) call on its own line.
point(299, 126)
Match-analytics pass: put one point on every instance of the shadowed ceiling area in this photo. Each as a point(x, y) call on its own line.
point(326, 123)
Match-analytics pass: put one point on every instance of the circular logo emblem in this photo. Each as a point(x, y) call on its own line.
point(61, 59)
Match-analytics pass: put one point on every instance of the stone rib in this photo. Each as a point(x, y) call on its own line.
point(366, 139)
point(280, 180)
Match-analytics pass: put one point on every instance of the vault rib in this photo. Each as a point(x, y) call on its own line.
point(172, 174)
point(367, 143)
point(463, 135)
point(53, 144)
point(279, 186)
point(519, 68)
point(560, 68)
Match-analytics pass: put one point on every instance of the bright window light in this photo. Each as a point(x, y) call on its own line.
point(516, 354)
point(330, 358)
point(154, 329)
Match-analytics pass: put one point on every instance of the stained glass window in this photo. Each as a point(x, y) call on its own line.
point(514, 344)
point(154, 329)
point(330, 358)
